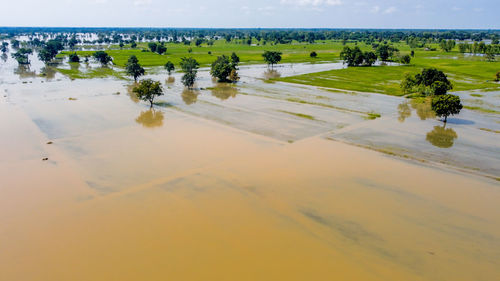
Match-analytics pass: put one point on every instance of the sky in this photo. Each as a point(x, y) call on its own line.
point(426, 14)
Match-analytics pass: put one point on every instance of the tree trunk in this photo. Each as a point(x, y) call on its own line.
point(445, 119)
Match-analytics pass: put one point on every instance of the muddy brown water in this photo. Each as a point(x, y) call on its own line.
point(221, 183)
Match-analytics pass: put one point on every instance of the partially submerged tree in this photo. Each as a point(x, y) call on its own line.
point(169, 66)
point(385, 52)
point(22, 55)
point(446, 105)
point(4, 47)
point(50, 50)
point(224, 68)
point(74, 58)
point(102, 57)
point(356, 57)
point(272, 57)
point(429, 82)
point(190, 68)
point(133, 67)
point(148, 90)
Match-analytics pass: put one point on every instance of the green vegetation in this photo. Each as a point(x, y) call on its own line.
point(481, 109)
point(169, 66)
point(133, 68)
point(74, 58)
point(301, 115)
point(446, 105)
point(22, 55)
point(147, 90)
point(102, 57)
point(356, 57)
point(224, 68)
point(373, 115)
point(430, 82)
point(100, 72)
point(190, 67)
point(272, 57)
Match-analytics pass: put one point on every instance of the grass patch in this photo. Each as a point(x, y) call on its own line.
point(489, 130)
point(373, 116)
point(101, 72)
point(477, 95)
point(481, 109)
point(301, 115)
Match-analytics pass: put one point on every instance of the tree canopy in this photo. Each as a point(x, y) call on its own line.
point(169, 66)
point(147, 90)
point(446, 105)
point(102, 57)
point(224, 68)
point(133, 67)
point(429, 82)
point(356, 57)
point(272, 57)
point(190, 68)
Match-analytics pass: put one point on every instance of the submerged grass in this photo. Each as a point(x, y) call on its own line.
point(301, 115)
point(482, 109)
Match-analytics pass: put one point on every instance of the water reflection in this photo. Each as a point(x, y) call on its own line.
point(24, 71)
point(423, 108)
point(170, 80)
point(150, 118)
point(271, 73)
point(223, 91)
point(74, 66)
point(404, 111)
point(189, 96)
point(131, 94)
point(442, 137)
point(48, 72)
point(4, 57)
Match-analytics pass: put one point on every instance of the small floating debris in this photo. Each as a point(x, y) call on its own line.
point(49, 142)
point(45, 159)
point(72, 99)
point(117, 93)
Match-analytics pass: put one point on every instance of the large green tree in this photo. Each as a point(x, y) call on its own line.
point(133, 67)
point(169, 66)
point(224, 68)
point(446, 105)
point(102, 57)
point(272, 57)
point(148, 90)
point(190, 67)
point(429, 82)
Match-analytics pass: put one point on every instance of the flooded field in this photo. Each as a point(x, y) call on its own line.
point(260, 180)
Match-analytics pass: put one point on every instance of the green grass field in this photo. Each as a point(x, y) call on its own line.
point(466, 72)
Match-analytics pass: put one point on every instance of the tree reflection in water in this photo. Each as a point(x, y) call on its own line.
point(150, 118)
point(48, 72)
point(271, 73)
point(423, 108)
point(442, 137)
point(189, 96)
point(404, 111)
point(223, 91)
point(131, 94)
point(170, 80)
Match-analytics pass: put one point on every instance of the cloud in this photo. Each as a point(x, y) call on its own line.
point(142, 3)
point(101, 1)
point(375, 9)
point(390, 10)
point(314, 3)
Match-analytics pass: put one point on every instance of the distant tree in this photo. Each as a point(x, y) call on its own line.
point(121, 44)
point(160, 49)
point(198, 42)
point(50, 50)
point(224, 69)
point(406, 59)
point(4, 47)
point(133, 45)
point(446, 105)
point(190, 50)
point(74, 57)
point(133, 67)
point(152, 46)
point(447, 45)
point(15, 43)
point(412, 53)
point(22, 55)
point(147, 90)
point(272, 57)
point(313, 54)
point(497, 76)
point(102, 57)
point(72, 42)
point(385, 52)
point(490, 55)
point(190, 67)
point(169, 66)
point(355, 57)
point(429, 82)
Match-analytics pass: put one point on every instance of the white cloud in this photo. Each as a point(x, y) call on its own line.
point(375, 9)
point(101, 1)
point(390, 10)
point(314, 3)
point(142, 3)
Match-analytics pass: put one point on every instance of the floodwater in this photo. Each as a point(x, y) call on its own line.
point(252, 181)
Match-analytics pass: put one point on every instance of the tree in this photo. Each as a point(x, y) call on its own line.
point(74, 58)
point(147, 90)
point(235, 59)
point(22, 55)
point(133, 67)
point(446, 105)
point(133, 45)
point(160, 49)
point(384, 52)
point(272, 57)
point(447, 45)
point(490, 55)
point(102, 57)
point(429, 82)
point(4, 47)
point(152, 46)
point(190, 68)
point(50, 50)
point(225, 68)
point(497, 76)
point(355, 57)
point(313, 54)
point(169, 66)
point(406, 59)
